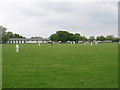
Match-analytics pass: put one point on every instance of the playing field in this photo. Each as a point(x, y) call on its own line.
point(60, 66)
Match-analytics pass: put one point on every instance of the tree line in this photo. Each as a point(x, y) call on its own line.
point(5, 36)
point(65, 36)
point(62, 36)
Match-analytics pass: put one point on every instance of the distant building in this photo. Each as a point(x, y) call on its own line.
point(107, 41)
point(28, 40)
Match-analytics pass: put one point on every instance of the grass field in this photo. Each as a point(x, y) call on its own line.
point(60, 66)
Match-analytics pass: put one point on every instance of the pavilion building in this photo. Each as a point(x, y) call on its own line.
point(28, 40)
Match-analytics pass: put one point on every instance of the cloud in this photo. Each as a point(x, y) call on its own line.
point(44, 18)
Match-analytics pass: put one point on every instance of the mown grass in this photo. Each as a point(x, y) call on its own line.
point(60, 66)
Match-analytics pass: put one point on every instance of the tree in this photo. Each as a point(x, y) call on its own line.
point(3, 38)
point(71, 37)
point(116, 39)
point(77, 37)
point(53, 37)
point(84, 39)
point(101, 38)
point(110, 37)
point(64, 36)
point(92, 38)
point(17, 36)
point(10, 34)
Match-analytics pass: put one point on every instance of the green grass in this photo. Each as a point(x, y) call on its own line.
point(60, 66)
point(0, 66)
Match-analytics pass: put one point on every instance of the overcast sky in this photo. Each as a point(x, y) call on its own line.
point(35, 18)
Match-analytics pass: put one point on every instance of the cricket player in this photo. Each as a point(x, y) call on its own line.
point(17, 48)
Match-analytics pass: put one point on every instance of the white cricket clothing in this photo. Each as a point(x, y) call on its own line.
point(17, 48)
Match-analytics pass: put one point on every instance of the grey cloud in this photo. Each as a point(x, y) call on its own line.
point(61, 7)
point(34, 19)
